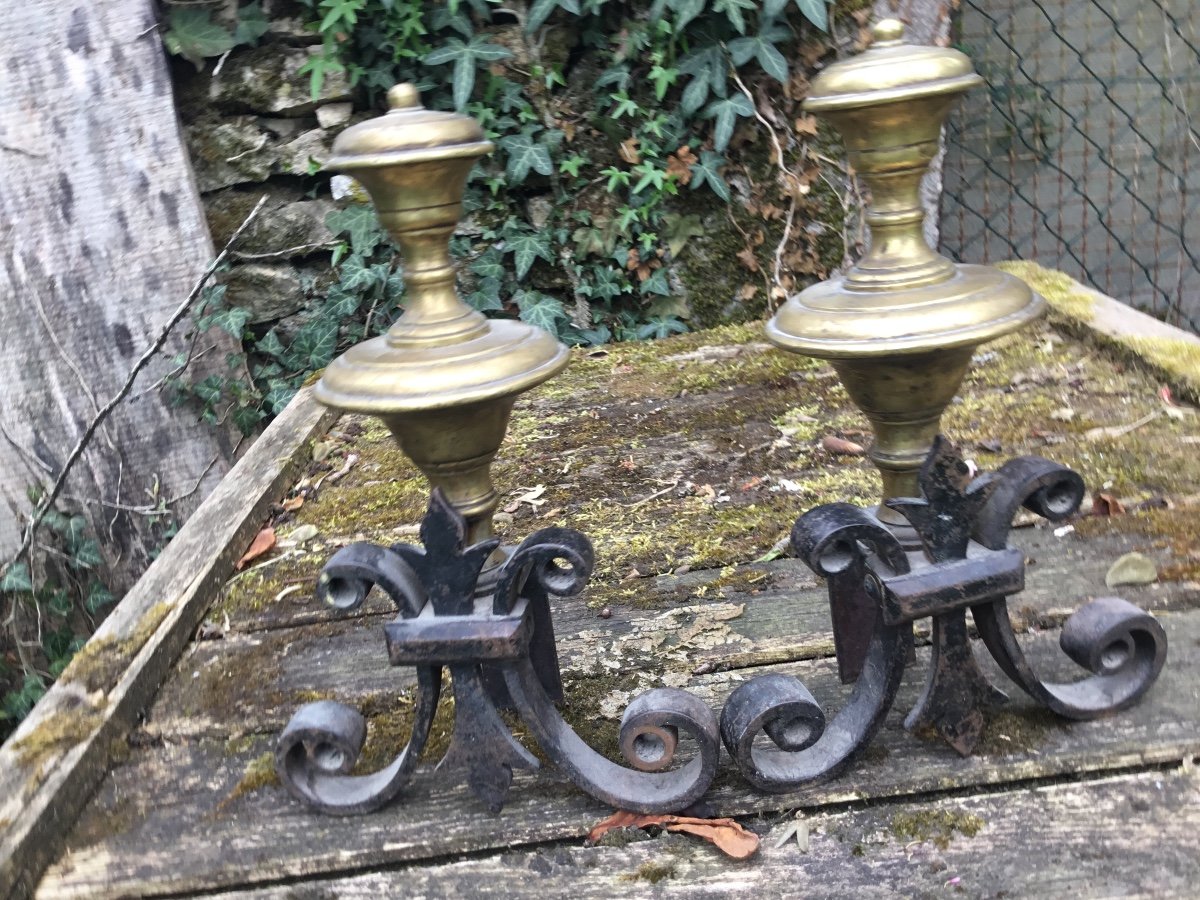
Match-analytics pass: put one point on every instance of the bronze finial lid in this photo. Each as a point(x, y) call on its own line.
point(890, 71)
point(407, 133)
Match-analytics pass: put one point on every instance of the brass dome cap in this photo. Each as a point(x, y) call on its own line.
point(407, 133)
point(890, 71)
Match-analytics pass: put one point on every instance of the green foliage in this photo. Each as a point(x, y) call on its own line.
point(194, 32)
point(600, 112)
point(48, 613)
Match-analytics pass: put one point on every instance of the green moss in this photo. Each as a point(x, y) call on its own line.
point(1010, 732)
point(101, 662)
point(583, 709)
point(1062, 293)
point(259, 773)
point(652, 871)
point(62, 729)
point(1178, 360)
point(936, 825)
point(389, 726)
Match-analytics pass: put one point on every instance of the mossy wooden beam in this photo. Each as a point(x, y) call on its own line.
point(52, 764)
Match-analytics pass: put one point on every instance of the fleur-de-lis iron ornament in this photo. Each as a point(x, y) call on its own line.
point(964, 563)
point(500, 651)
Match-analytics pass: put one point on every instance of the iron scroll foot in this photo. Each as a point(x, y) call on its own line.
point(964, 563)
point(499, 648)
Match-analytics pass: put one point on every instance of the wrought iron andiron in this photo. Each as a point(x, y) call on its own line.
point(964, 562)
point(507, 632)
point(444, 379)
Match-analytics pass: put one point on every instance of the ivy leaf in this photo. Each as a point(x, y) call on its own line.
point(707, 68)
point(16, 580)
point(488, 265)
point(486, 296)
point(315, 343)
point(726, 111)
point(657, 283)
point(252, 24)
point(87, 555)
point(706, 172)
point(816, 11)
point(193, 34)
point(538, 13)
point(98, 597)
point(733, 12)
point(465, 56)
point(359, 222)
point(762, 47)
point(524, 154)
point(607, 283)
point(342, 303)
point(772, 8)
point(356, 276)
point(538, 309)
point(270, 345)
point(525, 248)
point(685, 11)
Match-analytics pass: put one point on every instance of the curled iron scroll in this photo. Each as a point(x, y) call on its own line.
point(835, 541)
point(1121, 645)
point(558, 561)
point(322, 742)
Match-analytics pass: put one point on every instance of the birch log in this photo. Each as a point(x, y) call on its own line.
point(103, 235)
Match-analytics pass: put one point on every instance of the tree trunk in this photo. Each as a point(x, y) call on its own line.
point(103, 236)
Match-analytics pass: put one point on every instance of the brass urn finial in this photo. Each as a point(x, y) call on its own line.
point(444, 377)
point(901, 325)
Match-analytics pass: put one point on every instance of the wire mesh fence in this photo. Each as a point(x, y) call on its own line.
point(1083, 152)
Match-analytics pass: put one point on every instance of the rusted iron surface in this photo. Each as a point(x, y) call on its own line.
point(498, 645)
point(964, 562)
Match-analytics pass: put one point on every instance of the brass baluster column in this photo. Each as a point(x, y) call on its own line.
point(444, 378)
point(899, 327)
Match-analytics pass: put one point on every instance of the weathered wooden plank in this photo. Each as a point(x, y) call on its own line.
point(54, 761)
point(174, 819)
point(681, 624)
point(1127, 836)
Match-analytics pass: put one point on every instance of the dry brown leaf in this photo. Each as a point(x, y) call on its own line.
point(842, 447)
point(629, 151)
point(747, 258)
point(679, 164)
point(292, 503)
point(727, 835)
point(747, 291)
point(806, 125)
point(263, 541)
point(1106, 505)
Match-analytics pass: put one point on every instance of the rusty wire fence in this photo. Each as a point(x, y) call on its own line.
point(1083, 151)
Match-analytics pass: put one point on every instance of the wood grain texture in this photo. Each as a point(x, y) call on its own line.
point(42, 793)
point(103, 236)
point(172, 819)
point(1126, 836)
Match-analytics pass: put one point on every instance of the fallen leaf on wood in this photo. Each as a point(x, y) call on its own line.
point(351, 459)
point(726, 834)
point(1132, 568)
point(263, 541)
point(841, 446)
point(1106, 505)
point(292, 503)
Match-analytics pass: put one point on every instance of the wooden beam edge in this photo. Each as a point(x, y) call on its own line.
point(1170, 352)
point(40, 798)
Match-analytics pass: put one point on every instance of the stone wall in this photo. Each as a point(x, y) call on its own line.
point(253, 128)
